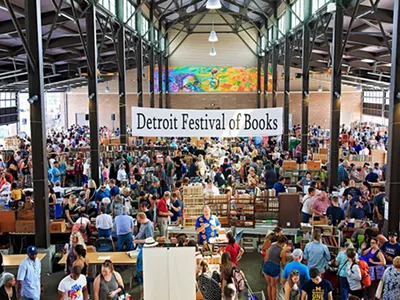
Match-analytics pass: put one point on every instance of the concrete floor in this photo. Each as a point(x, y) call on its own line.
point(250, 264)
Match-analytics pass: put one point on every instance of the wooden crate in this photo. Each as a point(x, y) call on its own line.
point(7, 221)
point(313, 165)
point(194, 191)
point(26, 215)
point(189, 222)
point(323, 150)
point(322, 157)
point(58, 225)
point(27, 226)
point(193, 210)
point(289, 164)
point(194, 202)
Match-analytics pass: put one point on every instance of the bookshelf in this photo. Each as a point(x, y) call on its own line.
point(193, 202)
point(242, 211)
point(219, 206)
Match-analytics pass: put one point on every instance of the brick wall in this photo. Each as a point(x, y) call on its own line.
point(319, 105)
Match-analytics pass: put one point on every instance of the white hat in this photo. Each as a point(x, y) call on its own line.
point(150, 242)
point(297, 253)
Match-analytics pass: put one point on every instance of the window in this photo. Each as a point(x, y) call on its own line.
point(270, 34)
point(156, 35)
point(376, 97)
point(128, 12)
point(263, 43)
point(281, 26)
point(317, 4)
point(162, 44)
point(108, 5)
point(298, 9)
point(8, 100)
point(145, 28)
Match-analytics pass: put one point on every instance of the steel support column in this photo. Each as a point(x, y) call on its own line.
point(33, 25)
point(160, 66)
point(336, 91)
point(393, 161)
point(139, 55)
point(91, 40)
point(259, 67)
point(286, 97)
point(265, 66)
point(266, 61)
point(275, 49)
point(151, 55)
point(305, 80)
point(121, 72)
point(166, 61)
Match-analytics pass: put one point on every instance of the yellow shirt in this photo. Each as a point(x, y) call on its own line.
point(16, 195)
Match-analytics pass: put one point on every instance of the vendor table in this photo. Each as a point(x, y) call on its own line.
point(117, 258)
point(14, 260)
point(98, 258)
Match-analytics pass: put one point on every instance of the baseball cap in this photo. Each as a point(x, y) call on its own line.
point(32, 250)
point(297, 253)
point(392, 233)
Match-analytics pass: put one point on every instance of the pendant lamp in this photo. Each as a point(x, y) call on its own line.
point(212, 51)
point(213, 35)
point(213, 4)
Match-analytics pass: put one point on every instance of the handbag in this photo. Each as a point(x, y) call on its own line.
point(124, 296)
point(379, 290)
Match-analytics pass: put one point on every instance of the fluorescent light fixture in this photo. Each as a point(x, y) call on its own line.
point(213, 4)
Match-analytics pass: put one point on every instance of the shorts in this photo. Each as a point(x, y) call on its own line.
point(358, 293)
point(271, 269)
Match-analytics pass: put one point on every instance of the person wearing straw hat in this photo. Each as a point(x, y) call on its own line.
point(148, 243)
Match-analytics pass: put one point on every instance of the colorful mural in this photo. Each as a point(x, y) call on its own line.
point(212, 79)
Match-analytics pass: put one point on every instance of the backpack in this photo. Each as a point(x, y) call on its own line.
point(238, 280)
point(365, 276)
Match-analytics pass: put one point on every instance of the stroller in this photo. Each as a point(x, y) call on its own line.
point(251, 295)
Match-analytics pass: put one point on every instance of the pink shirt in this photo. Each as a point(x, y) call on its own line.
point(106, 174)
point(320, 206)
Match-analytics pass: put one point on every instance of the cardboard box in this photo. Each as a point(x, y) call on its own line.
point(289, 164)
point(27, 226)
point(58, 225)
point(313, 165)
point(323, 150)
point(7, 221)
point(26, 215)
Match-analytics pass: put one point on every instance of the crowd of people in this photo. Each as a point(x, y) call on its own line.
point(140, 194)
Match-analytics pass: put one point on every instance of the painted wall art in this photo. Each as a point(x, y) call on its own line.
point(212, 79)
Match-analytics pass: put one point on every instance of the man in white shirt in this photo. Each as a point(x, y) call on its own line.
point(73, 287)
point(104, 223)
point(364, 151)
point(306, 211)
point(377, 170)
point(210, 189)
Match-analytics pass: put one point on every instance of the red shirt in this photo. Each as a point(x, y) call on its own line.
point(234, 251)
point(162, 207)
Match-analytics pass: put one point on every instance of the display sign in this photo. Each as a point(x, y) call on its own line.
point(200, 123)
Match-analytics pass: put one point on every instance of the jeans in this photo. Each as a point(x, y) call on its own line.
point(344, 287)
point(104, 232)
point(125, 241)
point(305, 218)
point(163, 226)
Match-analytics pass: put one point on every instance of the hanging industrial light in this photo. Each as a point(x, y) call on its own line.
point(107, 89)
point(212, 51)
point(320, 89)
point(69, 90)
point(213, 4)
point(213, 35)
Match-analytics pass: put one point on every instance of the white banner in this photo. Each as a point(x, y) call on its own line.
point(207, 123)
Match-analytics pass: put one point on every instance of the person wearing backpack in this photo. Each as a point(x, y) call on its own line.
point(231, 274)
point(354, 276)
